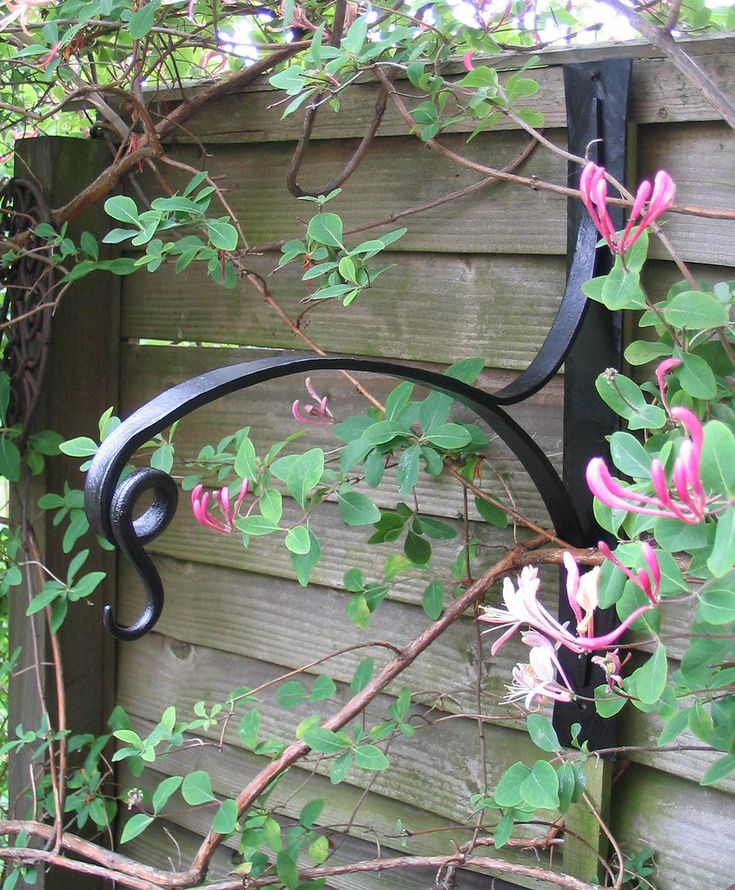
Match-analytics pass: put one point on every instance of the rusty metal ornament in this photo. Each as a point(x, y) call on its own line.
point(28, 303)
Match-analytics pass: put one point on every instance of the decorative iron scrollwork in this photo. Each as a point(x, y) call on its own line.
point(596, 108)
point(27, 305)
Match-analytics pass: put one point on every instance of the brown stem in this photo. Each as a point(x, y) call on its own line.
point(259, 283)
point(663, 40)
point(432, 862)
point(349, 168)
point(297, 749)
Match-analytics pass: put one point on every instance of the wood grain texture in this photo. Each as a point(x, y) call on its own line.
point(430, 308)
point(231, 622)
point(690, 829)
point(659, 94)
point(373, 834)
point(266, 408)
point(436, 771)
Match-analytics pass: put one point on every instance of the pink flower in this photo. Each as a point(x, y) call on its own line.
point(523, 608)
point(650, 581)
point(535, 683)
point(318, 413)
point(21, 11)
point(228, 511)
point(689, 503)
point(661, 371)
point(612, 665)
point(593, 191)
point(582, 594)
point(467, 61)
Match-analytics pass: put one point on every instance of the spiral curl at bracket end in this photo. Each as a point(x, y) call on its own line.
point(131, 534)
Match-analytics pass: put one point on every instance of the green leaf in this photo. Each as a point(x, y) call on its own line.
point(492, 514)
point(467, 370)
point(607, 703)
point(136, 825)
point(649, 681)
point(196, 788)
point(629, 456)
point(640, 352)
point(407, 471)
point(695, 311)
point(319, 849)
point(249, 728)
point(326, 228)
point(503, 831)
point(341, 768)
point(449, 435)
point(304, 474)
point(542, 733)
point(370, 757)
point(81, 446)
point(626, 398)
point(222, 234)
point(363, 674)
point(287, 870)
point(508, 792)
point(256, 525)
point(297, 540)
point(717, 601)
point(382, 432)
point(417, 549)
point(541, 788)
point(9, 459)
point(310, 812)
point(164, 791)
point(246, 465)
point(433, 600)
point(720, 769)
point(143, 19)
point(304, 563)
point(123, 209)
point(696, 377)
point(323, 688)
point(722, 557)
point(324, 741)
point(718, 458)
point(357, 509)
point(290, 694)
point(225, 820)
point(397, 399)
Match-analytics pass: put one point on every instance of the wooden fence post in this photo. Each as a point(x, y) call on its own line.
point(81, 382)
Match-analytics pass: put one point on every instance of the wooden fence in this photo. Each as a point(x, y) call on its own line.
point(479, 276)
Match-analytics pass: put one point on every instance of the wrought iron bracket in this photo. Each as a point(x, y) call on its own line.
point(596, 104)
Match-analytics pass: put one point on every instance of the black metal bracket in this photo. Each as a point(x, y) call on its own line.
point(596, 102)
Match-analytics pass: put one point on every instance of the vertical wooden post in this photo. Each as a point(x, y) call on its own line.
point(81, 382)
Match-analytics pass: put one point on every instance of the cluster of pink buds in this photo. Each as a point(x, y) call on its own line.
point(300, 21)
point(228, 510)
point(318, 413)
point(688, 501)
point(656, 200)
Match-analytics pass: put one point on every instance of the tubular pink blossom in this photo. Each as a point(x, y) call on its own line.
point(572, 584)
point(318, 413)
point(593, 192)
point(229, 512)
point(661, 371)
point(649, 583)
point(467, 61)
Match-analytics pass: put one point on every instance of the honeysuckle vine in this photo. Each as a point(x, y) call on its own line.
point(665, 497)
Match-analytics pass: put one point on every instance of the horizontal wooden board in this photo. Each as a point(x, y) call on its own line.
point(659, 93)
point(421, 773)
point(690, 829)
point(373, 833)
point(430, 308)
point(266, 408)
point(238, 621)
point(399, 172)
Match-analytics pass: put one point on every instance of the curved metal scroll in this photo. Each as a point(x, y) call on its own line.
point(110, 504)
point(28, 303)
